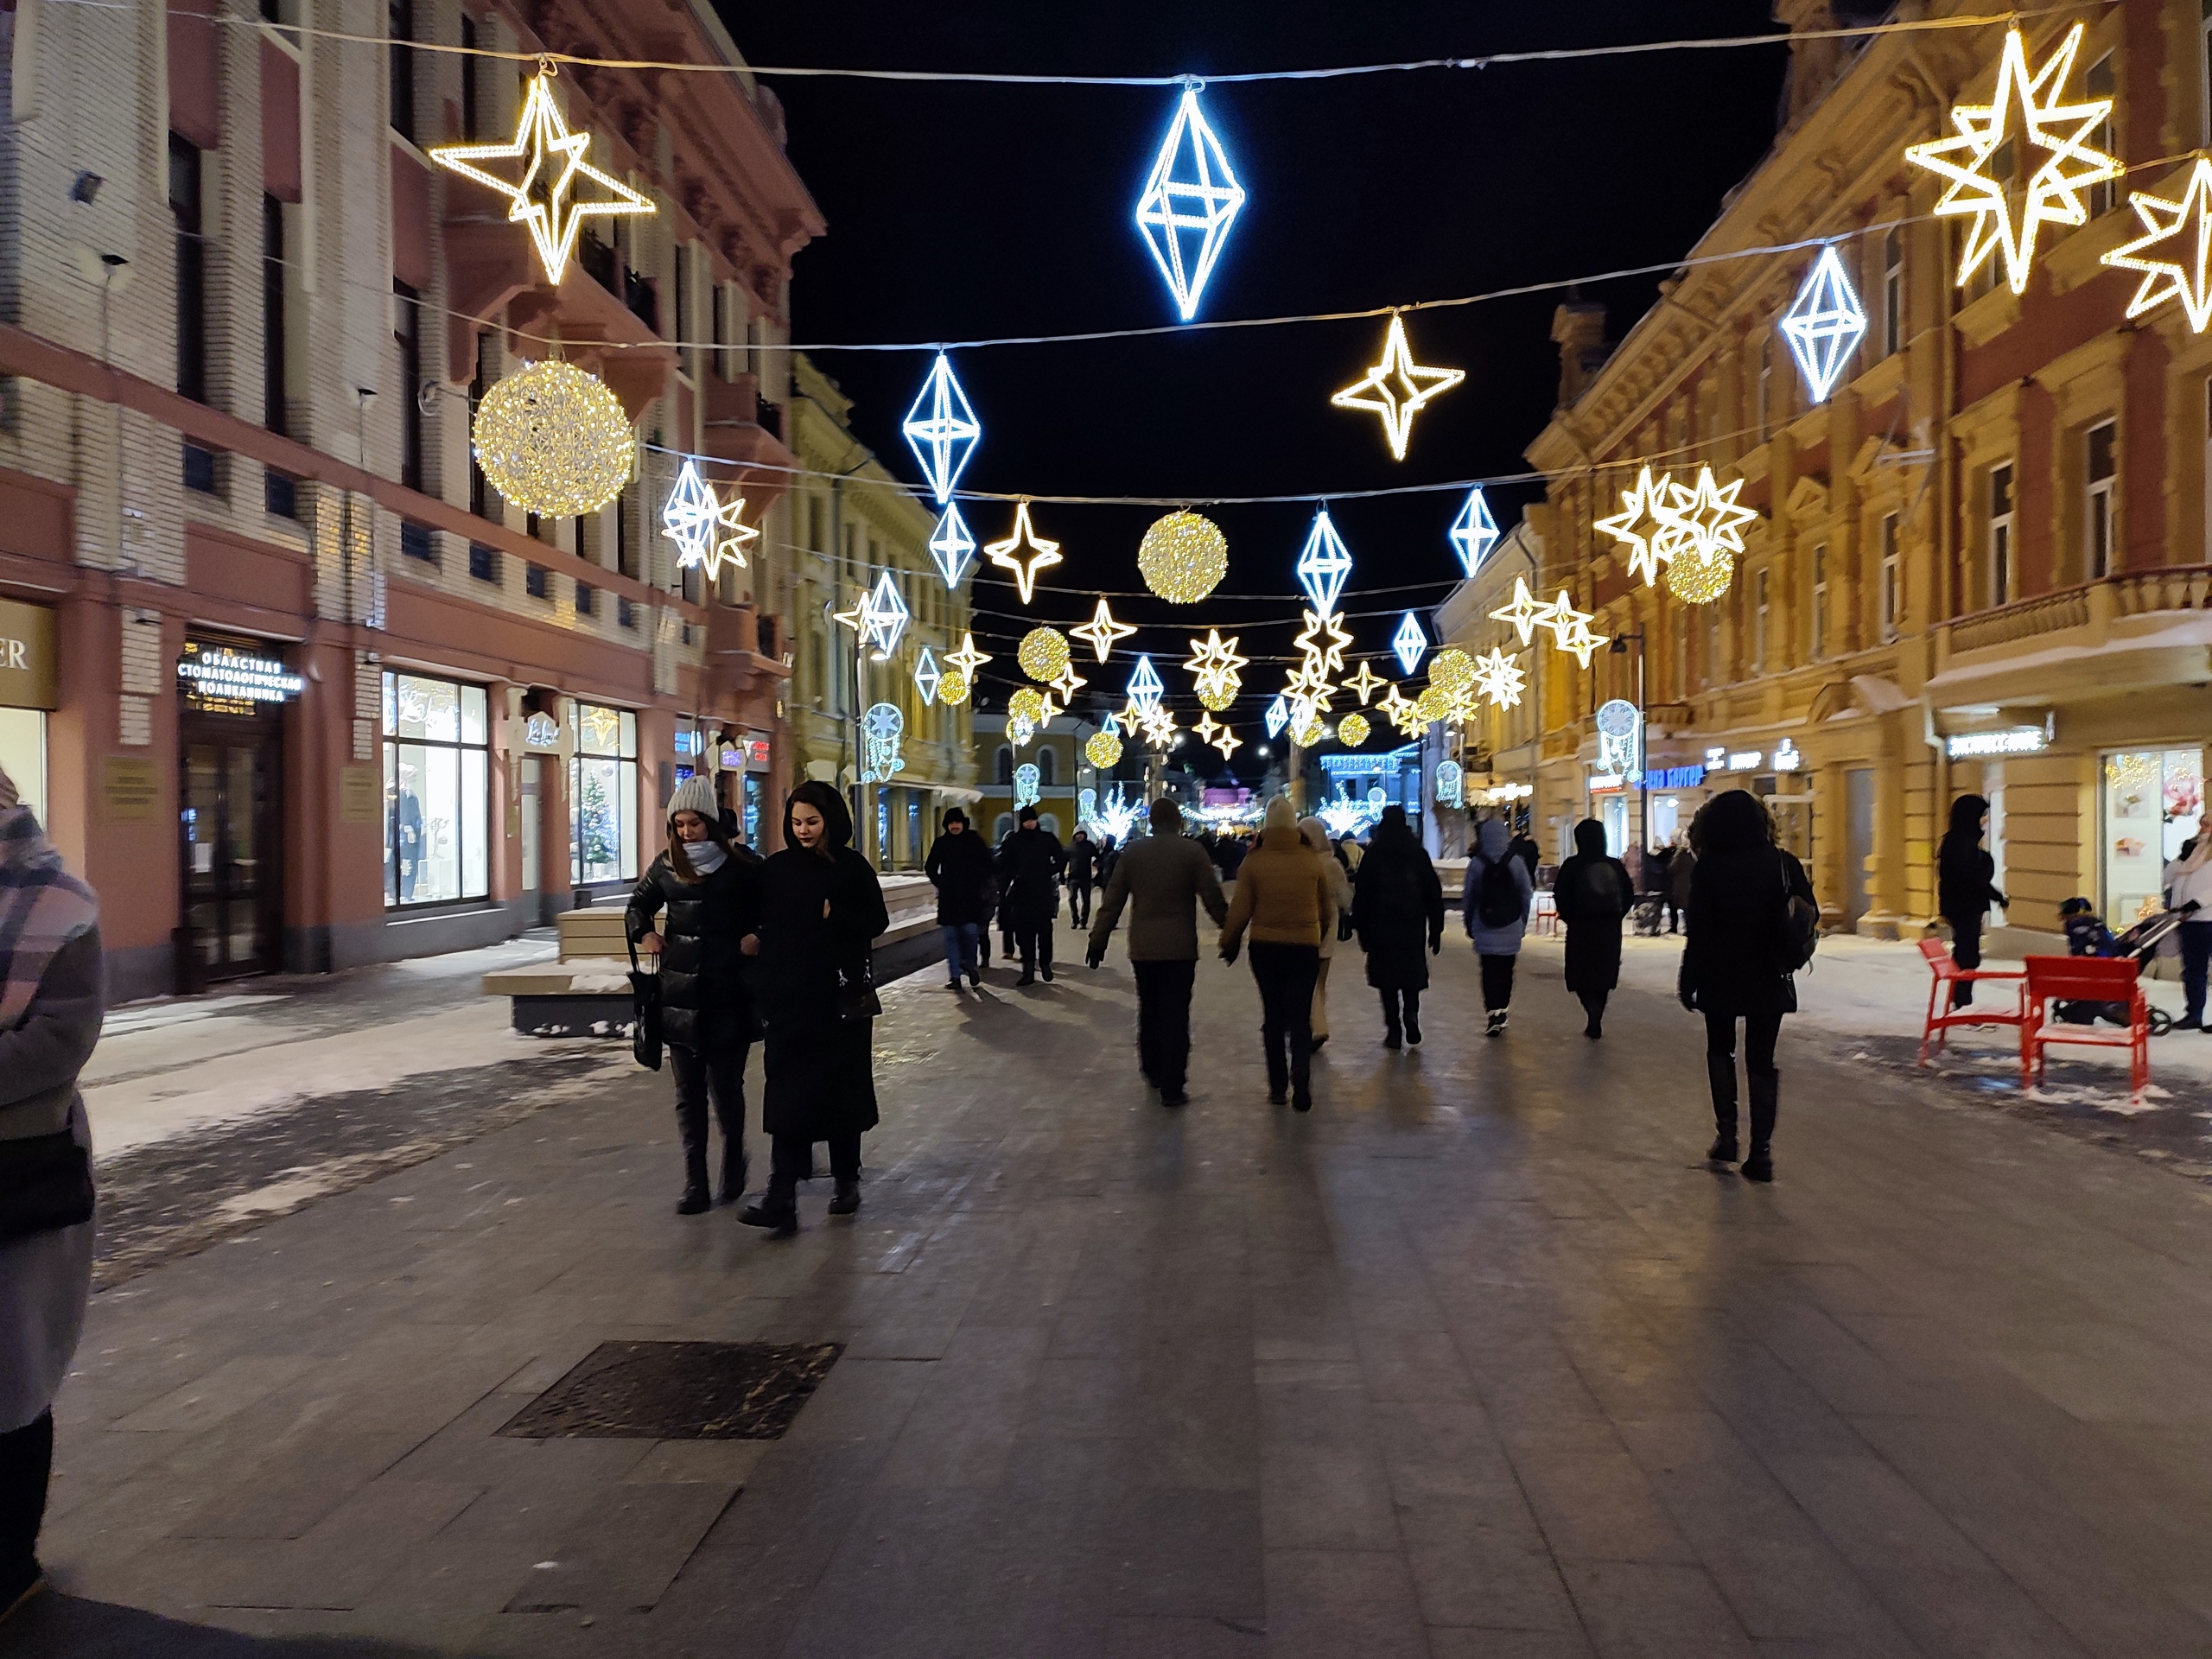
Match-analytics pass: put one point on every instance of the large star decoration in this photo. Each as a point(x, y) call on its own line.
point(1525, 613)
point(1362, 684)
point(1102, 630)
point(1325, 639)
point(2183, 229)
point(1498, 677)
point(1396, 388)
point(1009, 554)
point(1309, 684)
point(2043, 133)
point(1215, 663)
point(1068, 683)
point(730, 539)
point(1706, 518)
point(544, 196)
point(1650, 546)
point(1159, 722)
point(1574, 636)
point(966, 659)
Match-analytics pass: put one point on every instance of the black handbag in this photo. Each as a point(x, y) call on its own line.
point(45, 1184)
point(644, 1013)
point(856, 997)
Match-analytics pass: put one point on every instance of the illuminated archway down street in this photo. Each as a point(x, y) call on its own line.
point(1477, 1358)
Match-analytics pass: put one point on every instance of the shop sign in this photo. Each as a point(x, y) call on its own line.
point(1787, 756)
point(360, 794)
point(2012, 739)
point(232, 682)
point(1722, 759)
point(27, 657)
point(1675, 778)
point(540, 732)
point(1606, 783)
point(756, 754)
point(130, 790)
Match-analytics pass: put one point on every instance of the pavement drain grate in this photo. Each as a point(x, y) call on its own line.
point(678, 1391)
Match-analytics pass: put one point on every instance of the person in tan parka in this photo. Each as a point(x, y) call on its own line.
point(1285, 897)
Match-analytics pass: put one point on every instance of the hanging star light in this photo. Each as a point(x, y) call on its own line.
point(1399, 710)
point(1278, 715)
point(1396, 387)
point(732, 536)
point(952, 544)
point(1144, 687)
point(1215, 663)
point(1183, 557)
point(1324, 640)
point(942, 428)
point(1824, 324)
point(1228, 743)
point(952, 687)
point(2048, 138)
point(2183, 229)
point(544, 195)
point(1207, 729)
point(1130, 720)
point(1041, 554)
point(1102, 630)
point(1710, 540)
point(966, 660)
point(1323, 564)
point(883, 617)
point(1574, 636)
point(1104, 751)
point(1308, 685)
point(855, 619)
point(1158, 722)
point(1188, 203)
point(1043, 654)
point(1650, 545)
point(928, 678)
point(689, 516)
point(553, 440)
point(1499, 678)
point(1067, 684)
point(1353, 730)
point(1525, 613)
point(1474, 532)
point(881, 727)
point(1362, 684)
point(1410, 645)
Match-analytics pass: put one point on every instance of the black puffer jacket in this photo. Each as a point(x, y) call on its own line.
point(704, 1000)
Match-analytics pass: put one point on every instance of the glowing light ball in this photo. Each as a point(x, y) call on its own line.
point(1027, 703)
point(1453, 669)
point(1183, 557)
point(1104, 751)
point(1434, 704)
point(1043, 654)
point(952, 687)
point(553, 440)
point(1699, 577)
point(1313, 732)
point(1352, 730)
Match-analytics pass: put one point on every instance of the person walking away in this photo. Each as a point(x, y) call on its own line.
point(1523, 847)
point(1493, 907)
point(1680, 868)
point(1966, 877)
point(1030, 864)
point(1735, 964)
point(1316, 835)
point(1593, 893)
point(50, 991)
point(1347, 851)
point(1284, 896)
point(712, 899)
point(1659, 880)
point(1233, 849)
point(821, 909)
point(1162, 879)
point(1083, 866)
point(1397, 905)
point(2192, 892)
point(960, 868)
point(1108, 854)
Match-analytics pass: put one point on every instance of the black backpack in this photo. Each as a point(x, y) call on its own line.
point(1801, 923)
point(1497, 897)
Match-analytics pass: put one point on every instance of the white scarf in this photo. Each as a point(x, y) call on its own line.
point(705, 857)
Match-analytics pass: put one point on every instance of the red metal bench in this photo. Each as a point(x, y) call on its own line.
point(2086, 979)
point(1941, 1016)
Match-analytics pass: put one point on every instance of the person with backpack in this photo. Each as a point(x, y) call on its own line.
point(1966, 886)
point(1593, 893)
point(1751, 922)
point(1494, 905)
point(1397, 908)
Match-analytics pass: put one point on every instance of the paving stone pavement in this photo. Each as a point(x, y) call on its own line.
point(1477, 1358)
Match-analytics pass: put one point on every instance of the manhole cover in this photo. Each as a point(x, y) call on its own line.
point(678, 1391)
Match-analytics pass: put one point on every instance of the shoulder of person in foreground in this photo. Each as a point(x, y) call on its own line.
point(48, 1048)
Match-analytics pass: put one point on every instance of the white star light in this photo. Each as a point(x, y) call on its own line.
point(1474, 532)
point(952, 545)
point(1102, 630)
point(1323, 564)
point(1410, 644)
point(1498, 677)
point(1188, 204)
point(942, 428)
point(1525, 613)
point(1144, 688)
point(883, 617)
point(926, 675)
point(1824, 324)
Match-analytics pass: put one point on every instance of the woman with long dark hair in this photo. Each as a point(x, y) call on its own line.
point(710, 891)
point(1736, 963)
point(1397, 909)
point(821, 909)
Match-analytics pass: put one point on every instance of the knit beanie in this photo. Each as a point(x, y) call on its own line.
point(1281, 815)
point(695, 794)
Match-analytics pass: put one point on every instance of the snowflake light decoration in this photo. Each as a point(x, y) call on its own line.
point(1026, 565)
point(1824, 324)
point(1474, 532)
point(1323, 564)
point(1410, 643)
point(942, 428)
point(1499, 678)
point(881, 727)
point(1102, 630)
point(2184, 229)
point(1396, 387)
point(1188, 203)
point(952, 544)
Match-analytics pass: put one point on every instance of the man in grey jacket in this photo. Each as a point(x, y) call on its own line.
point(1165, 877)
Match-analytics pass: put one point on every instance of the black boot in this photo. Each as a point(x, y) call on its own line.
point(1720, 1072)
point(1413, 1019)
point(847, 1198)
point(733, 1169)
point(697, 1196)
point(1766, 1093)
point(778, 1211)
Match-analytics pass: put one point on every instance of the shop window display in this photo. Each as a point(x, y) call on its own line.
point(604, 794)
point(2153, 802)
point(436, 792)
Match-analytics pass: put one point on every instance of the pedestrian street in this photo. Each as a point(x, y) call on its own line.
point(1478, 1358)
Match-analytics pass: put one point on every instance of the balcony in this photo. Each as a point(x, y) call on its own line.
point(2142, 627)
point(745, 430)
point(741, 658)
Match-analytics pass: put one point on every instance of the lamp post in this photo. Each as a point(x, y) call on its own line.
point(1618, 647)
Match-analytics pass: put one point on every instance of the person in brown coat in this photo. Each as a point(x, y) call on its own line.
point(1285, 897)
point(1164, 879)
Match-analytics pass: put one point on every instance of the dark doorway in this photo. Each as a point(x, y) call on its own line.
point(230, 818)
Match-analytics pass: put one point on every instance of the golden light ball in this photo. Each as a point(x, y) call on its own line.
point(1183, 557)
point(1451, 668)
point(1697, 578)
point(1311, 732)
point(1216, 695)
point(952, 687)
point(1104, 751)
point(553, 440)
point(1352, 730)
point(1043, 654)
point(1434, 704)
point(1026, 705)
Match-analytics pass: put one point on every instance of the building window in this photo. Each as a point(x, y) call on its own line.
point(603, 793)
point(587, 600)
point(1818, 646)
point(399, 18)
point(416, 543)
point(1047, 763)
point(2097, 531)
point(1766, 390)
point(280, 493)
point(680, 324)
point(407, 333)
point(2103, 81)
point(2204, 63)
point(436, 792)
point(200, 468)
point(1760, 613)
point(468, 93)
point(1893, 294)
point(1006, 764)
point(483, 562)
point(625, 613)
point(274, 345)
point(537, 581)
point(191, 269)
point(1892, 575)
point(2000, 535)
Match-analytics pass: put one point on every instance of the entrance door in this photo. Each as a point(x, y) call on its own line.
point(231, 856)
point(531, 828)
point(1858, 843)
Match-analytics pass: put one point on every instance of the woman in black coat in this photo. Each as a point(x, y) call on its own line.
point(1397, 908)
point(1734, 965)
point(711, 894)
point(821, 909)
point(1966, 886)
point(1593, 892)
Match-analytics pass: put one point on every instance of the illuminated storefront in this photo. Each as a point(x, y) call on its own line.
point(28, 679)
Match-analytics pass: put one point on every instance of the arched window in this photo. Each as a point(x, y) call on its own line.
point(1047, 760)
point(1000, 829)
point(1005, 764)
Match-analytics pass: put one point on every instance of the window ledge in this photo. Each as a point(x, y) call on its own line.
point(1983, 320)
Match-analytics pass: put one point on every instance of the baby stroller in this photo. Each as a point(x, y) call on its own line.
point(2087, 935)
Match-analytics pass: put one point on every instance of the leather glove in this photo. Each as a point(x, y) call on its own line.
point(1436, 945)
point(1095, 955)
point(1228, 951)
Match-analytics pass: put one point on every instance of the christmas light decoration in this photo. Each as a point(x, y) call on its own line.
point(1117, 819)
point(1215, 663)
point(1498, 677)
point(883, 617)
point(1824, 324)
point(554, 440)
point(1144, 687)
point(952, 687)
point(1450, 784)
point(1698, 578)
point(1345, 816)
point(1310, 731)
point(1362, 684)
point(1019, 729)
point(1112, 726)
point(1308, 686)
point(966, 660)
point(1525, 613)
point(1398, 710)
point(1453, 669)
point(1043, 653)
point(1645, 525)
point(1323, 564)
point(1278, 716)
point(1217, 695)
point(1352, 730)
point(1396, 387)
point(929, 679)
point(855, 619)
point(1188, 203)
point(1573, 634)
point(2184, 228)
point(1183, 557)
point(544, 194)
point(1207, 728)
point(1028, 703)
point(1104, 751)
point(1474, 532)
point(1159, 722)
point(1067, 683)
point(881, 727)
point(1410, 644)
point(1435, 704)
point(1324, 641)
point(1028, 788)
point(1226, 742)
point(1709, 525)
point(1102, 630)
point(942, 428)
point(2048, 141)
point(689, 517)
point(952, 544)
point(1009, 553)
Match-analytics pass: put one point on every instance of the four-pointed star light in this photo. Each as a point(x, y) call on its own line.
point(1396, 387)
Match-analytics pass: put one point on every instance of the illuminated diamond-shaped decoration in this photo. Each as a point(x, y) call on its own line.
point(1145, 687)
point(688, 518)
point(1323, 564)
point(1278, 715)
point(1188, 204)
point(1409, 642)
point(952, 545)
point(926, 676)
point(1474, 532)
point(1824, 324)
point(942, 428)
point(883, 618)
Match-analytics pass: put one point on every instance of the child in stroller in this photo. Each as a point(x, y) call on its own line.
point(2087, 935)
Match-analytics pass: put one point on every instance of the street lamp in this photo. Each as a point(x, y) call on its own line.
point(1618, 647)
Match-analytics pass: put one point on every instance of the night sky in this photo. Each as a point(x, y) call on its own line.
point(961, 211)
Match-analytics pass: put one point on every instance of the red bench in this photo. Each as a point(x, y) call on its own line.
point(1941, 1016)
point(2086, 979)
